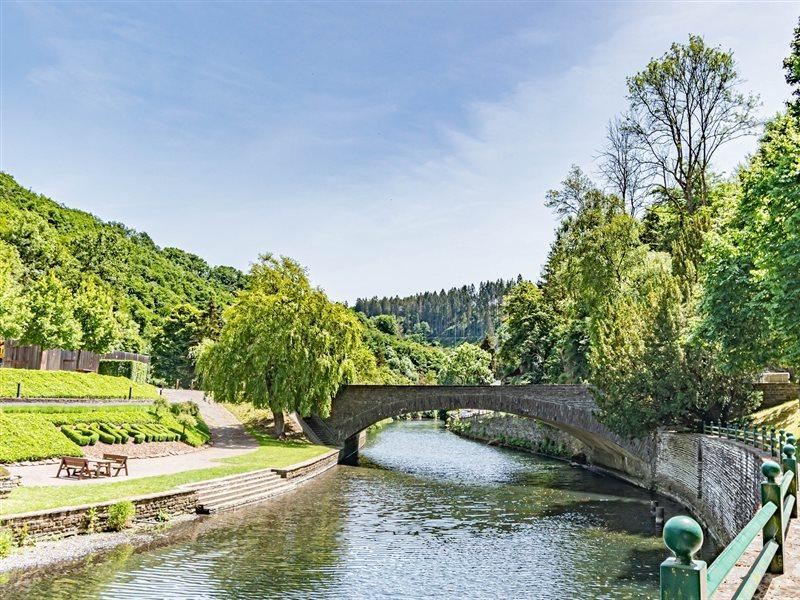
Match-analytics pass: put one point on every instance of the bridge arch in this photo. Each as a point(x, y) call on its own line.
point(570, 408)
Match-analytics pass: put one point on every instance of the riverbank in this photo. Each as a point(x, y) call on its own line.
point(519, 433)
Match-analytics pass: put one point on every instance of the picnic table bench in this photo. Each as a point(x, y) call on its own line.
point(85, 467)
point(118, 462)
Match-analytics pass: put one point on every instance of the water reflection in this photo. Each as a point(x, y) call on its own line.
point(428, 515)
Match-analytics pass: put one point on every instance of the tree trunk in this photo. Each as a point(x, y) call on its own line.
point(280, 423)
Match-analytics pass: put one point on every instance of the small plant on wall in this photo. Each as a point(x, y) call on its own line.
point(120, 515)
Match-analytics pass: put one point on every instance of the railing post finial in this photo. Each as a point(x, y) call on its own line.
point(682, 576)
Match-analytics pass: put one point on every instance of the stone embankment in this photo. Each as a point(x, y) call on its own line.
point(211, 496)
point(717, 480)
point(520, 433)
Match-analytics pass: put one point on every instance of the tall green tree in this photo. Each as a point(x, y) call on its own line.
point(284, 345)
point(94, 310)
point(527, 346)
point(52, 322)
point(467, 364)
point(684, 107)
point(13, 310)
point(172, 359)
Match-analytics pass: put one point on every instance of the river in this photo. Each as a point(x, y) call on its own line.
point(427, 515)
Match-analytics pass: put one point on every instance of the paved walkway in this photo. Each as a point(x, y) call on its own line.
point(227, 434)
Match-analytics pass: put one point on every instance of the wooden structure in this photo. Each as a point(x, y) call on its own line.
point(16, 356)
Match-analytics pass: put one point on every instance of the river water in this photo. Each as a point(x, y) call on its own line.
point(428, 515)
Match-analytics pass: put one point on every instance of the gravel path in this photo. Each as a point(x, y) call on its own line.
point(228, 438)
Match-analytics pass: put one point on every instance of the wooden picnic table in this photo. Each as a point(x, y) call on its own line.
point(102, 467)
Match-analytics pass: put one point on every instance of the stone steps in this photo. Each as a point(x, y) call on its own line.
point(230, 501)
point(238, 489)
point(232, 492)
point(230, 479)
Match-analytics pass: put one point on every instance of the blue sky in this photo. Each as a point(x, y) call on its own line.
point(390, 148)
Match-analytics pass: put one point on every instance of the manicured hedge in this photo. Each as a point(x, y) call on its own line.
point(69, 384)
point(132, 369)
point(36, 432)
point(32, 437)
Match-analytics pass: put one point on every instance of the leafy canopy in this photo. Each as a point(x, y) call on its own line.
point(283, 345)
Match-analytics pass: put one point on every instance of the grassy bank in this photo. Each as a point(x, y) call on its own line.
point(271, 453)
point(33, 432)
point(68, 384)
point(785, 416)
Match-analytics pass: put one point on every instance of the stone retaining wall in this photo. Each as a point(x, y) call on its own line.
point(777, 393)
point(719, 480)
point(65, 522)
point(310, 467)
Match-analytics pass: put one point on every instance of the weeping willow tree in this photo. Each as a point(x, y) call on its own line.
point(284, 345)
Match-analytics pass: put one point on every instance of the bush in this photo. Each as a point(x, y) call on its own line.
point(120, 515)
point(32, 437)
point(75, 435)
point(6, 542)
point(132, 369)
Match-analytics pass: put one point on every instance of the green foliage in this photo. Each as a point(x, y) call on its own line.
point(90, 520)
point(792, 66)
point(32, 437)
point(56, 251)
point(464, 314)
point(94, 310)
point(284, 344)
point(13, 309)
point(467, 365)
point(34, 432)
point(392, 360)
point(752, 277)
point(6, 542)
point(134, 370)
point(120, 515)
point(172, 345)
point(387, 324)
point(69, 384)
point(683, 107)
point(527, 344)
point(52, 322)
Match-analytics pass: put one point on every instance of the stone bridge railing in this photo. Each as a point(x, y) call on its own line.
point(568, 407)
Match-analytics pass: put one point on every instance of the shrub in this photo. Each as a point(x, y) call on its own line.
point(6, 542)
point(32, 437)
point(75, 435)
point(132, 369)
point(120, 515)
point(162, 516)
point(106, 438)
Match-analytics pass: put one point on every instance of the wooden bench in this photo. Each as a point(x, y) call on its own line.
point(118, 462)
point(75, 467)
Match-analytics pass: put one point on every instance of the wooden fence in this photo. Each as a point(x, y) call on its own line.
point(33, 357)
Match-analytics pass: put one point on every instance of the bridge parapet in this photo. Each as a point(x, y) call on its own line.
point(568, 407)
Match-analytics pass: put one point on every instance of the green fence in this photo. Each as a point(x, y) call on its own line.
point(683, 577)
point(761, 437)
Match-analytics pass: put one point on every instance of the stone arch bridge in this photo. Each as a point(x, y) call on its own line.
point(570, 408)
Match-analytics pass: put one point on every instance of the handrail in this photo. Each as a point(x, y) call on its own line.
point(756, 573)
point(761, 437)
point(723, 564)
point(684, 577)
point(786, 481)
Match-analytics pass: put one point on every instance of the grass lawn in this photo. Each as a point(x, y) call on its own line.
point(785, 416)
point(69, 384)
point(272, 453)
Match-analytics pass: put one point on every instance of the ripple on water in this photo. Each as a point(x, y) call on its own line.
point(431, 516)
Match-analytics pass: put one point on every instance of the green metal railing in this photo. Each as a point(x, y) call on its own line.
point(761, 437)
point(685, 578)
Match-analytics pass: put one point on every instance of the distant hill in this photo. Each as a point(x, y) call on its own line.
point(147, 282)
point(463, 314)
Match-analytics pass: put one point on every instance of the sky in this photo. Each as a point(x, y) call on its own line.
point(390, 148)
